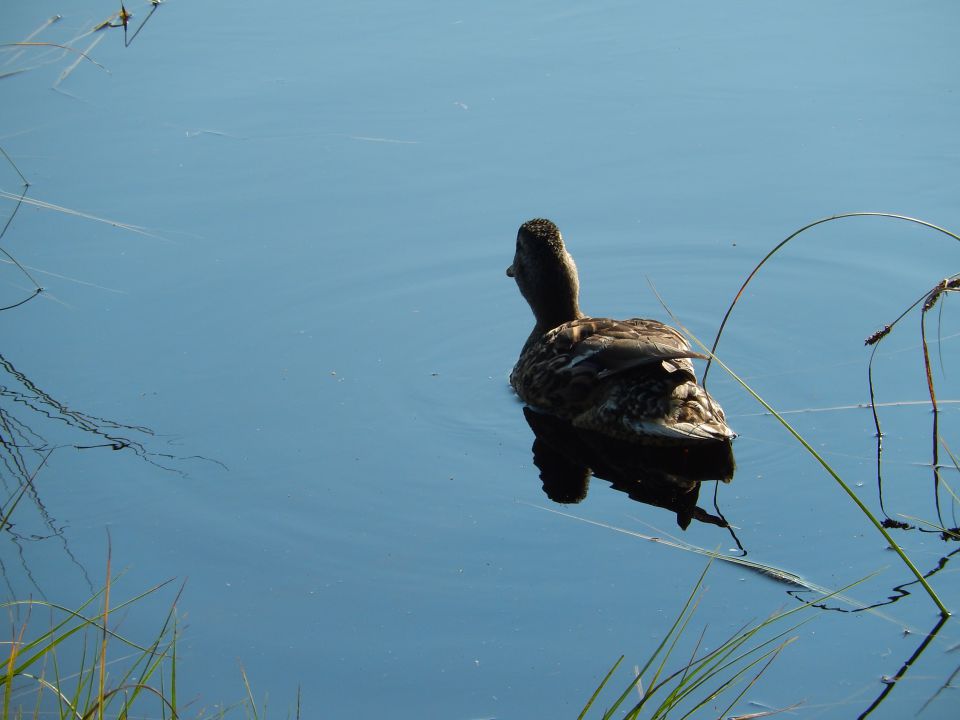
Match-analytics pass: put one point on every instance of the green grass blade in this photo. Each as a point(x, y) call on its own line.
point(600, 687)
point(757, 677)
point(677, 623)
point(769, 656)
point(173, 670)
point(847, 489)
point(720, 662)
point(41, 643)
point(819, 458)
point(55, 689)
point(246, 684)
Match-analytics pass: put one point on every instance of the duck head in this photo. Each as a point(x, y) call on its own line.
point(546, 274)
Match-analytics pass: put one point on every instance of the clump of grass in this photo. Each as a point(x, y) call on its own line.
point(721, 676)
point(110, 675)
point(33, 675)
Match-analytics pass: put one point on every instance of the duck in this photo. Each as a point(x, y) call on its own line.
point(628, 379)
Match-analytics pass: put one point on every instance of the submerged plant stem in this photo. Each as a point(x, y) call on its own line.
point(809, 448)
point(846, 488)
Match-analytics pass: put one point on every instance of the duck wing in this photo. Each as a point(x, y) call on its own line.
point(603, 347)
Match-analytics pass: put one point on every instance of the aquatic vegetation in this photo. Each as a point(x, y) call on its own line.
point(136, 679)
point(709, 678)
point(683, 690)
point(145, 671)
point(929, 299)
point(764, 506)
point(121, 19)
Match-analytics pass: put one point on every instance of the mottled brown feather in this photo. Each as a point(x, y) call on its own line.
point(632, 379)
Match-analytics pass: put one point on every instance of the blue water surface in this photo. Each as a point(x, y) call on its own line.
point(284, 255)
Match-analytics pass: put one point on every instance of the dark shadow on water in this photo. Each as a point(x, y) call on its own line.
point(890, 681)
point(898, 592)
point(668, 477)
point(35, 425)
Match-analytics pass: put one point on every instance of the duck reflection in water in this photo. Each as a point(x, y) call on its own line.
point(618, 398)
point(666, 476)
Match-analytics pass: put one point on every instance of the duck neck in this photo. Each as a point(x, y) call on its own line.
point(553, 316)
point(557, 314)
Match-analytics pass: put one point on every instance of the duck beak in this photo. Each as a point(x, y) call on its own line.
point(510, 271)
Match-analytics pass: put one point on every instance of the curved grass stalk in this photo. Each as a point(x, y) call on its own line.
point(64, 700)
point(790, 237)
point(929, 300)
point(50, 21)
point(807, 446)
point(833, 473)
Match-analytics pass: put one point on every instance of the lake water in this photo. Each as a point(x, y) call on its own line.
point(311, 316)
